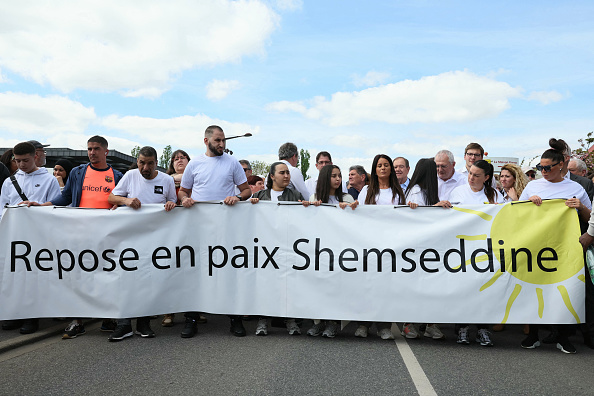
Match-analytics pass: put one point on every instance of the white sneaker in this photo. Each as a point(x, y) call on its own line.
point(317, 329)
point(361, 331)
point(433, 331)
point(262, 327)
point(385, 334)
point(331, 329)
point(292, 327)
point(409, 331)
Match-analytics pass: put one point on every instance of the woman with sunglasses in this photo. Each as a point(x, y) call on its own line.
point(554, 185)
point(383, 189)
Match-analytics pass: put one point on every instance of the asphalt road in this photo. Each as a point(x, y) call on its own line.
point(215, 362)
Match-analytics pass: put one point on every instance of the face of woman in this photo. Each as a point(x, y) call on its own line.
point(476, 178)
point(507, 179)
point(383, 169)
point(281, 178)
point(59, 171)
point(335, 179)
point(13, 166)
point(257, 187)
point(180, 162)
point(554, 175)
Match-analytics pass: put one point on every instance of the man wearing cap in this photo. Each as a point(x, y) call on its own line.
point(530, 172)
point(40, 153)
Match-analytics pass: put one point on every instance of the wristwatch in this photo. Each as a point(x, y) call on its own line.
point(239, 197)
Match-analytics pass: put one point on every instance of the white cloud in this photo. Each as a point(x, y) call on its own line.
point(44, 115)
point(545, 97)
point(453, 96)
point(289, 5)
point(219, 89)
point(134, 47)
point(371, 79)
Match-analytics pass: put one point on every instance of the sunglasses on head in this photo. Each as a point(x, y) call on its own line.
point(546, 168)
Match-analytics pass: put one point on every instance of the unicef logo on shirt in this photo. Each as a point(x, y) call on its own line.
point(106, 189)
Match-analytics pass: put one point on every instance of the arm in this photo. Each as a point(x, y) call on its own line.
point(184, 196)
point(244, 192)
point(118, 200)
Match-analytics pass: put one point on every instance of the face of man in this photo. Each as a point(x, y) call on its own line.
point(401, 170)
point(97, 155)
point(572, 167)
point(471, 156)
point(26, 162)
point(215, 144)
point(248, 171)
point(147, 166)
point(445, 168)
point(322, 162)
point(40, 159)
point(356, 180)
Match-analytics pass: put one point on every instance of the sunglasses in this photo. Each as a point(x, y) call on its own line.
point(546, 168)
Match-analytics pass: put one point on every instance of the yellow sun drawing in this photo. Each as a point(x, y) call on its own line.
point(511, 238)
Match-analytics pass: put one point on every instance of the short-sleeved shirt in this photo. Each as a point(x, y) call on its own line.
point(565, 189)
point(213, 178)
point(160, 189)
point(97, 186)
point(415, 195)
point(445, 187)
point(383, 198)
point(463, 195)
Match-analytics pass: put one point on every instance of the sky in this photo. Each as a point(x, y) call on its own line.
point(403, 78)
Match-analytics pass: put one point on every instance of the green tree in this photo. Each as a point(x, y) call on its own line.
point(165, 157)
point(135, 151)
point(260, 168)
point(303, 164)
point(583, 153)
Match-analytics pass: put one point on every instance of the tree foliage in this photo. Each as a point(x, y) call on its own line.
point(303, 164)
point(135, 151)
point(165, 157)
point(583, 153)
point(260, 168)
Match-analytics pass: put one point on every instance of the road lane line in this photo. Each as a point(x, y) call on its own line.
point(417, 374)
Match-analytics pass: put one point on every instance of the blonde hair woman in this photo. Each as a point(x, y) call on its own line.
point(513, 181)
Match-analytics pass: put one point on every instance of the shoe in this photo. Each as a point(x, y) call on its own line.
point(552, 338)
point(121, 332)
point(317, 329)
point(530, 342)
point(361, 331)
point(433, 331)
point(12, 324)
point(498, 327)
point(331, 329)
point(262, 327)
point(108, 325)
point(409, 331)
point(143, 328)
point(463, 336)
point(201, 319)
point(565, 346)
point(167, 320)
point(73, 330)
point(292, 327)
point(190, 328)
point(30, 326)
point(237, 328)
point(484, 337)
point(385, 334)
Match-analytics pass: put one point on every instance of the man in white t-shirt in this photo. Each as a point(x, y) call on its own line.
point(447, 176)
point(145, 185)
point(212, 177)
point(289, 155)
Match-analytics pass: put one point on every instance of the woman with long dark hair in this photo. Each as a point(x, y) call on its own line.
point(479, 189)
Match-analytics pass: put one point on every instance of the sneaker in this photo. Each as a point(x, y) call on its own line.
point(237, 328)
point(331, 329)
point(530, 342)
point(190, 328)
point(30, 326)
point(73, 330)
point(108, 325)
point(262, 327)
point(167, 320)
point(409, 331)
point(463, 336)
point(361, 331)
point(292, 327)
point(121, 332)
point(484, 338)
point(12, 324)
point(565, 346)
point(143, 328)
point(433, 331)
point(201, 319)
point(385, 334)
point(317, 329)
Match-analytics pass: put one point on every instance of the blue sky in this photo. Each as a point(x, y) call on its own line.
point(354, 78)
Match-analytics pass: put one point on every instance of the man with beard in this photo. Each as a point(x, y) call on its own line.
point(213, 176)
point(144, 185)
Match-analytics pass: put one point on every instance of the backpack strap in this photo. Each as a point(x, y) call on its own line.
point(15, 183)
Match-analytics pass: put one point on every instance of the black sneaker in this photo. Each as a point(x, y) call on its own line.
point(121, 332)
point(73, 330)
point(237, 328)
point(12, 324)
point(30, 326)
point(190, 328)
point(530, 342)
point(565, 346)
point(108, 325)
point(143, 328)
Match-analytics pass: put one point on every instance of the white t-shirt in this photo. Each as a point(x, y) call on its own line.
point(383, 198)
point(161, 189)
point(415, 195)
point(463, 195)
point(312, 184)
point(464, 173)
point(213, 178)
point(275, 194)
point(445, 188)
point(333, 200)
point(565, 189)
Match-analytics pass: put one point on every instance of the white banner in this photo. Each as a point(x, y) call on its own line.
point(477, 264)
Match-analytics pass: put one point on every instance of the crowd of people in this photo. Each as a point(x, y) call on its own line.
point(216, 175)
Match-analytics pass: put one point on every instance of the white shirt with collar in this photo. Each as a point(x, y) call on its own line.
point(445, 187)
